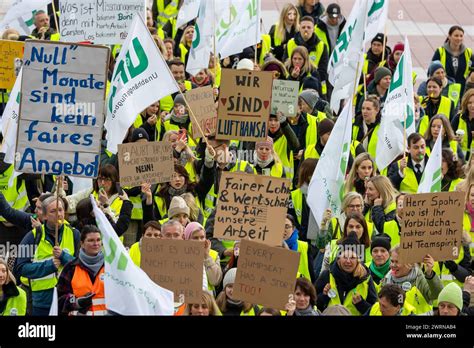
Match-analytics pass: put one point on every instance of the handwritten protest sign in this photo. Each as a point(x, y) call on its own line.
point(266, 275)
point(99, 21)
point(176, 265)
point(244, 105)
point(150, 162)
point(201, 101)
point(252, 206)
point(11, 55)
point(431, 224)
point(61, 108)
point(285, 97)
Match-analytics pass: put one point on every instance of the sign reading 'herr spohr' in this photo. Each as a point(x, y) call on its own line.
point(61, 108)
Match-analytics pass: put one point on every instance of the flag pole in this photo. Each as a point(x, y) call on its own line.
point(384, 41)
point(55, 17)
point(59, 182)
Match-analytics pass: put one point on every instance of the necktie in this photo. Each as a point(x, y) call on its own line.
point(418, 168)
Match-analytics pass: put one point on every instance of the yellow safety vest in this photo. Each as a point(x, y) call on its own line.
point(453, 144)
point(166, 13)
point(44, 252)
point(266, 47)
point(464, 145)
point(415, 298)
point(467, 56)
point(135, 253)
point(454, 93)
point(407, 309)
point(443, 108)
point(192, 143)
point(409, 184)
point(303, 267)
point(280, 146)
point(297, 200)
point(184, 51)
point(466, 225)
point(362, 289)
point(16, 198)
point(372, 144)
point(312, 130)
point(167, 103)
point(158, 126)
point(314, 56)
point(443, 272)
point(335, 249)
point(322, 37)
point(389, 227)
point(116, 205)
point(16, 306)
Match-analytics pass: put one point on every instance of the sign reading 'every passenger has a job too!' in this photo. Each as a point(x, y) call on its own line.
point(61, 108)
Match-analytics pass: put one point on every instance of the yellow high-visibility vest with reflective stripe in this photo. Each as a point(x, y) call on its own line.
point(362, 289)
point(166, 13)
point(16, 198)
point(467, 56)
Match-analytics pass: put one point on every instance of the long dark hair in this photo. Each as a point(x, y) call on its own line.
point(163, 192)
point(452, 30)
point(360, 219)
point(108, 171)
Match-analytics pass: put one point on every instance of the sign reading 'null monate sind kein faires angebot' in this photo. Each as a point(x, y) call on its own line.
point(61, 108)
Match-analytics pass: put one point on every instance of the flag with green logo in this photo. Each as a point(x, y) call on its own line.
point(9, 121)
point(431, 179)
point(128, 289)
point(326, 188)
point(140, 78)
point(188, 11)
point(376, 18)
point(201, 47)
point(238, 25)
point(399, 106)
point(346, 61)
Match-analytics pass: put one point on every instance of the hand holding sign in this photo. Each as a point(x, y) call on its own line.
point(428, 261)
point(290, 306)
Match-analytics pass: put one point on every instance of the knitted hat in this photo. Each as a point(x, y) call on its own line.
point(270, 63)
point(382, 241)
point(310, 97)
point(325, 126)
point(264, 142)
point(451, 293)
point(139, 133)
point(380, 73)
point(379, 38)
point(178, 99)
point(245, 64)
point(190, 228)
point(333, 10)
point(435, 65)
point(398, 47)
point(178, 206)
point(311, 82)
point(229, 277)
point(336, 310)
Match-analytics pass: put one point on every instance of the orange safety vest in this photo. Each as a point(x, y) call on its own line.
point(81, 285)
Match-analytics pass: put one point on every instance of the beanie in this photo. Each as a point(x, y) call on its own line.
point(435, 65)
point(270, 63)
point(229, 277)
point(190, 228)
point(264, 142)
point(311, 82)
point(380, 73)
point(382, 241)
point(451, 293)
point(378, 38)
point(178, 99)
point(245, 64)
point(310, 97)
point(325, 126)
point(139, 133)
point(399, 47)
point(178, 206)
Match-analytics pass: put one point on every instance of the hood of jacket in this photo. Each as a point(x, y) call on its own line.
point(448, 48)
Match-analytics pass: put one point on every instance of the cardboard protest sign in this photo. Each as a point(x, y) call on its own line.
point(11, 55)
point(102, 22)
point(252, 206)
point(61, 108)
point(176, 265)
point(265, 275)
point(150, 162)
point(244, 105)
point(201, 102)
point(285, 97)
point(431, 224)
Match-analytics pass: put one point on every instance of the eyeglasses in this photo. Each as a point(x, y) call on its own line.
point(355, 206)
point(103, 178)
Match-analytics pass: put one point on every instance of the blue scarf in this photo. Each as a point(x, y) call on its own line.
point(292, 242)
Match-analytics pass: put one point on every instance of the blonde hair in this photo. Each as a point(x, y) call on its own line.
point(280, 30)
point(464, 185)
point(221, 301)
point(465, 99)
point(12, 34)
point(351, 178)
point(10, 276)
point(183, 38)
point(396, 249)
point(385, 189)
point(209, 301)
point(349, 197)
point(193, 207)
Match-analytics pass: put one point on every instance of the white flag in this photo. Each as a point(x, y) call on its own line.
point(9, 121)
point(202, 41)
point(346, 61)
point(238, 26)
point(141, 77)
point(128, 289)
point(398, 105)
point(20, 8)
point(326, 188)
point(376, 18)
point(188, 12)
point(431, 179)
point(53, 311)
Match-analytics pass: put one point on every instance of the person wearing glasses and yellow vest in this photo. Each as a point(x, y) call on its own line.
point(348, 281)
point(421, 284)
point(81, 283)
point(318, 53)
point(455, 57)
point(44, 266)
